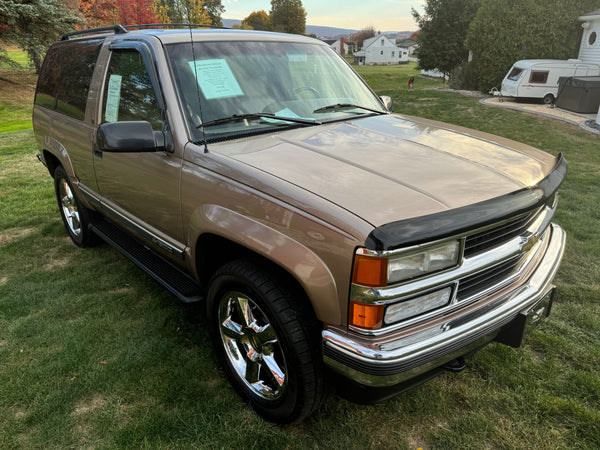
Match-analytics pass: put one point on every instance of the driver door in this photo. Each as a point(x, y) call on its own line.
point(139, 190)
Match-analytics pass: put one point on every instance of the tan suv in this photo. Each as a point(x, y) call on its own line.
point(329, 238)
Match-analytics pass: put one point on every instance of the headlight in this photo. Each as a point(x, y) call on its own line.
point(379, 271)
point(432, 259)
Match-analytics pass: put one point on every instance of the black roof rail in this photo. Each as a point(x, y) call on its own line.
point(122, 29)
point(116, 29)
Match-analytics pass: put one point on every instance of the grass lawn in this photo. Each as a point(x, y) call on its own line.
point(94, 353)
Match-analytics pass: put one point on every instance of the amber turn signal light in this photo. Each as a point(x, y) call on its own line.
point(366, 316)
point(370, 271)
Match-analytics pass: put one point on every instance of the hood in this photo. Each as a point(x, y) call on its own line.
point(389, 168)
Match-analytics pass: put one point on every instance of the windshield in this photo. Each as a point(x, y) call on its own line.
point(228, 85)
point(514, 74)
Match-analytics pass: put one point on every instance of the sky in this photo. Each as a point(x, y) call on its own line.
point(384, 15)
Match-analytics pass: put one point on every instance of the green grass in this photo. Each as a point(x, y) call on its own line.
point(94, 353)
point(20, 57)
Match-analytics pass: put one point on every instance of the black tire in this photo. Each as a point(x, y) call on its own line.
point(549, 99)
point(76, 217)
point(267, 341)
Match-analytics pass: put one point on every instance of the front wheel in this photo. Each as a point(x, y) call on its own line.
point(267, 341)
point(75, 215)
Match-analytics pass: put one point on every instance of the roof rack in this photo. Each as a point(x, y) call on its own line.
point(122, 29)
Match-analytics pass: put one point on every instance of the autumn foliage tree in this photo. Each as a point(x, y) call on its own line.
point(136, 12)
point(183, 11)
point(99, 13)
point(258, 20)
point(362, 35)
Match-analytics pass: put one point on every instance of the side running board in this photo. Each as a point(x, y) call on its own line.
point(180, 284)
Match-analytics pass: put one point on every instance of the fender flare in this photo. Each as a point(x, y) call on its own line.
point(299, 261)
point(56, 149)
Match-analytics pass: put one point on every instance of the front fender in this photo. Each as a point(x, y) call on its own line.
point(299, 261)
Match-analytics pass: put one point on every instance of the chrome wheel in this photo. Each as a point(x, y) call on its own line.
point(69, 207)
point(252, 346)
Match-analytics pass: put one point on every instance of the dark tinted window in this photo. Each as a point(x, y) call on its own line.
point(539, 77)
point(128, 92)
point(66, 75)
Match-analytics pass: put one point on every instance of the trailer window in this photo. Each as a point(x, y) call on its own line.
point(515, 74)
point(539, 77)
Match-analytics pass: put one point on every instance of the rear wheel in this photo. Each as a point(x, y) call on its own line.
point(75, 215)
point(548, 99)
point(267, 340)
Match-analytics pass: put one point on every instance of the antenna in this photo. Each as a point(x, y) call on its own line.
point(188, 8)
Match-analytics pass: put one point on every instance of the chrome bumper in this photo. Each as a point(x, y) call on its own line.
point(393, 362)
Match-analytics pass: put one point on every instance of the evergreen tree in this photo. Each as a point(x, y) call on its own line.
point(442, 33)
point(505, 31)
point(35, 24)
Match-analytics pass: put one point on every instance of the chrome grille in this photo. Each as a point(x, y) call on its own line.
point(490, 238)
point(493, 277)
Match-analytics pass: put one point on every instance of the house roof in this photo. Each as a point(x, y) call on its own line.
point(330, 41)
point(590, 16)
point(406, 43)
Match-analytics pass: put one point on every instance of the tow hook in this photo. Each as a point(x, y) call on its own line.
point(456, 365)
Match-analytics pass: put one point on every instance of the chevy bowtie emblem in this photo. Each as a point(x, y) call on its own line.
point(527, 242)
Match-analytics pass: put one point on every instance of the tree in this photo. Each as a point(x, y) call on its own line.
point(182, 11)
point(35, 24)
point(442, 33)
point(288, 16)
point(98, 13)
point(362, 35)
point(215, 10)
point(505, 31)
point(258, 20)
point(136, 12)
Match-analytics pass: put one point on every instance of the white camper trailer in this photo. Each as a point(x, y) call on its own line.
point(538, 78)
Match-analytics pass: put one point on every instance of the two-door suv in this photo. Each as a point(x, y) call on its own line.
point(328, 237)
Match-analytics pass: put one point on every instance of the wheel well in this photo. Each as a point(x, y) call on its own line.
point(214, 251)
point(52, 162)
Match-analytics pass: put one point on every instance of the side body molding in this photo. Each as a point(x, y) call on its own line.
point(298, 260)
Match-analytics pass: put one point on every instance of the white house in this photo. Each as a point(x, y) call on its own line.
point(340, 46)
point(589, 50)
point(380, 50)
point(409, 46)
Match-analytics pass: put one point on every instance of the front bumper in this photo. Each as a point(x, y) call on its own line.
point(387, 363)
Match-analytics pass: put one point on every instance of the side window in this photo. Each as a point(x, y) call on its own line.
point(538, 77)
point(65, 77)
point(128, 92)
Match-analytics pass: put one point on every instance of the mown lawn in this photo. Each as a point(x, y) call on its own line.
point(94, 353)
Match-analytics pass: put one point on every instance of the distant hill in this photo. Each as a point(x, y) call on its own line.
point(324, 32)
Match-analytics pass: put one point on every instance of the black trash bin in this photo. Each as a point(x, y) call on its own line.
point(579, 94)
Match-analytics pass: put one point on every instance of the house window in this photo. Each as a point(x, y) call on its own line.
point(539, 77)
point(592, 38)
point(393, 53)
point(382, 43)
point(381, 52)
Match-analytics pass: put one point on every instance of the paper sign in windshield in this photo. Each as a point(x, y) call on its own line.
point(215, 78)
point(113, 98)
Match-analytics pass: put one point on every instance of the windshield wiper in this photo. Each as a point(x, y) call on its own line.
point(254, 116)
point(342, 106)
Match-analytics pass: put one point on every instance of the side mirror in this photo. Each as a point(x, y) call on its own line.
point(387, 102)
point(129, 137)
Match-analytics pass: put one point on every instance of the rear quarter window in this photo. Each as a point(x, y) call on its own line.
point(65, 77)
